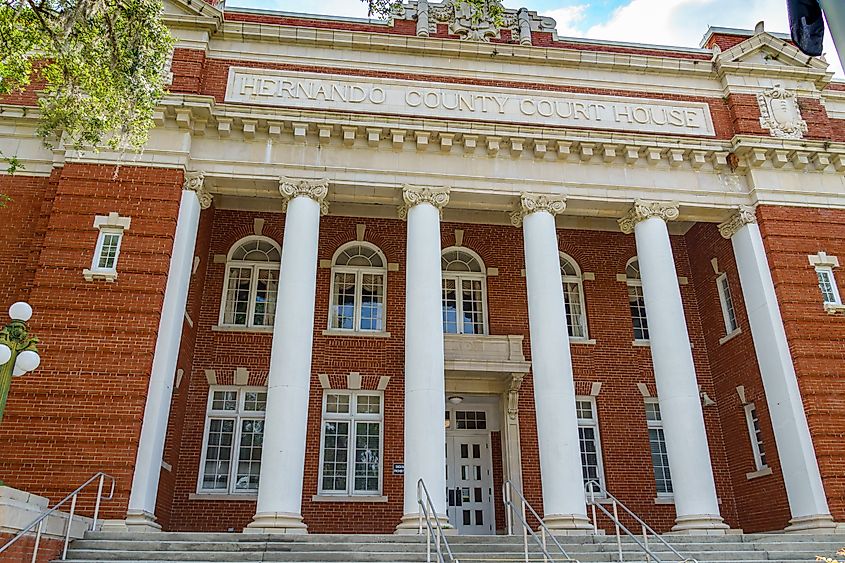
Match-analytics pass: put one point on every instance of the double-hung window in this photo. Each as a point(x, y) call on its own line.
point(573, 297)
point(753, 422)
point(588, 438)
point(234, 434)
point(725, 299)
point(111, 228)
point(827, 285)
point(657, 443)
point(251, 284)
point(351, 443)
point(636, 300)
point(464, 292)
point(359, 279)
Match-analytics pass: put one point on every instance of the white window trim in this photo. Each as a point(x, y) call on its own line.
point(658, 424)
point(458, 277)
point(359, 272)
point(238, 414)
point(824, 263)
point(631, 282)
point(723, 301)
point(579, 279)
point(828, 271)
point(594, 423)
point(759, 466)
point(253, 283)
point(350, 463)
point(111, 224)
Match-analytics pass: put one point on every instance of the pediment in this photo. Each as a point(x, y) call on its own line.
point(766, 50)
point(195, 11)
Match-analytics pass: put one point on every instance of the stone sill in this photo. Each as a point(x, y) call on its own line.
point(346, 498)
point(585, 341)
point(766, 470)
point(730, 336)
point(105, 275)
point(665, 500)
point(243, 497)
point(642, 343)
point(353, 333)
point(246, 329)
point(834, 309)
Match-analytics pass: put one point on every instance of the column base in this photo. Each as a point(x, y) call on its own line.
point(409, 525)
point(568, 524)
point(276, 523)
point(813, 524)
point(141, 521)
point(700, 525)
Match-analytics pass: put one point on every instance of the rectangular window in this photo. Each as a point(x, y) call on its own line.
point(107, 250)
point(756, 436)
point(463, 305)
point(351, 443)
point(588, 438)
point(827, 285)
point(657, 442)
point(357, 301)
point(638, 315)
point(727, 303)
point(250, 296)
point(234, 434)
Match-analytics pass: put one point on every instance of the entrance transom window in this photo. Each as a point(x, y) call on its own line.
point(464, 292)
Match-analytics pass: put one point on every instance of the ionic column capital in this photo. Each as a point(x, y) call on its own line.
point(195, 182)
point(642, 210)
point(314, 189)
point(744, 216)
point(415, 195)
point(532, 203)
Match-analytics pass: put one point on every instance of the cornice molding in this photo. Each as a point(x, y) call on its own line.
point(534, 203)
point(195, 182)
point(745, 215)
point(315, 189)
point(415, 195)
point(642, 210)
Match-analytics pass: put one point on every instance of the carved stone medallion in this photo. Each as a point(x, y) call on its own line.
point(779, 113)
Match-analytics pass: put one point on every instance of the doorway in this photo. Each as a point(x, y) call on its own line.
point(469, 474)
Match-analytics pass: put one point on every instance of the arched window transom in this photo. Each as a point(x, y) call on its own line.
point(573, 297)
point(359, 281)
point(464, 292)
point(636, 299)
point(251, 284)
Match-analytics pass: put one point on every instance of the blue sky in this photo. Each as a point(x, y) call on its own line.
point(661, 22)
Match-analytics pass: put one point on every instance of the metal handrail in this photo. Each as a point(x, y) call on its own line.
point(39, 522)
point(507, 490)
point(425, 504)
point(594, 486)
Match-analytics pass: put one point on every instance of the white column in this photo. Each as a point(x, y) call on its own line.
point(142, 499)
point(807, 500)
point(279, 507)
point(696, 503)
point(425, 393)
point(564, 503)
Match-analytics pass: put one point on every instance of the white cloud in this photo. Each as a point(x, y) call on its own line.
point(568, 19)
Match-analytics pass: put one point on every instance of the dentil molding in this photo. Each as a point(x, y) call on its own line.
point(744, 216)
point(195, 182)
point(532, 203)
point(642, 210)
point(314, 189)
point(415, 195)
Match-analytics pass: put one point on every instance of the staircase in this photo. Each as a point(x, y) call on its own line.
point(113, 547)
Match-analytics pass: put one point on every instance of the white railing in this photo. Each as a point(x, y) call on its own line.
point(508, 490)
point(38, 523)
point(431, 523)
point(596, 494)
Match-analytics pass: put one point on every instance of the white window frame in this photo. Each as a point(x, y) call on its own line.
point(726, 301)
point(107, 225)
point(758, 448)
point(594, 424)
point(253, 282)
point(359, 272)
point(635, 282)
point(658, 425)
point(352, 418)
point(578, 278)
point(459, 277)
point(238, 415)
point(827, 271)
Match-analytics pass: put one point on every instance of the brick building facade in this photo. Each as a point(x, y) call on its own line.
point(342, 229)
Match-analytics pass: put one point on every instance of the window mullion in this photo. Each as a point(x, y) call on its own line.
point(350, 464)
point(233, 458)
point(253, 290)
point(359, 287)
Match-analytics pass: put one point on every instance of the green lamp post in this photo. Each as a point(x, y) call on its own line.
point(18, 353)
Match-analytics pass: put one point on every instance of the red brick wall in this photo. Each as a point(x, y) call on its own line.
point(815, 338)
point(612, 360)
point(761, 502)
point(21, 552)
point(80, 411)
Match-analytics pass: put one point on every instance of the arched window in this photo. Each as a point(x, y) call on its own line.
point(252, 281)
point(464, 292)
point(636, 300)
point(359, 279)
point(573, 297)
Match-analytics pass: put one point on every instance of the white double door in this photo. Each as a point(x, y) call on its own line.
point(469, 483)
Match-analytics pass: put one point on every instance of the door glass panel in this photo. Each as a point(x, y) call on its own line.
point(464, 451)
point(476, 451)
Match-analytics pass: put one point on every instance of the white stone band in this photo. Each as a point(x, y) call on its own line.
point(744, 216)
point(314, 189)
point(642, 210)
point(415, 195)
point(532, 203)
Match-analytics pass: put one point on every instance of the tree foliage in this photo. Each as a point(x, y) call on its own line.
point(99, 65)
